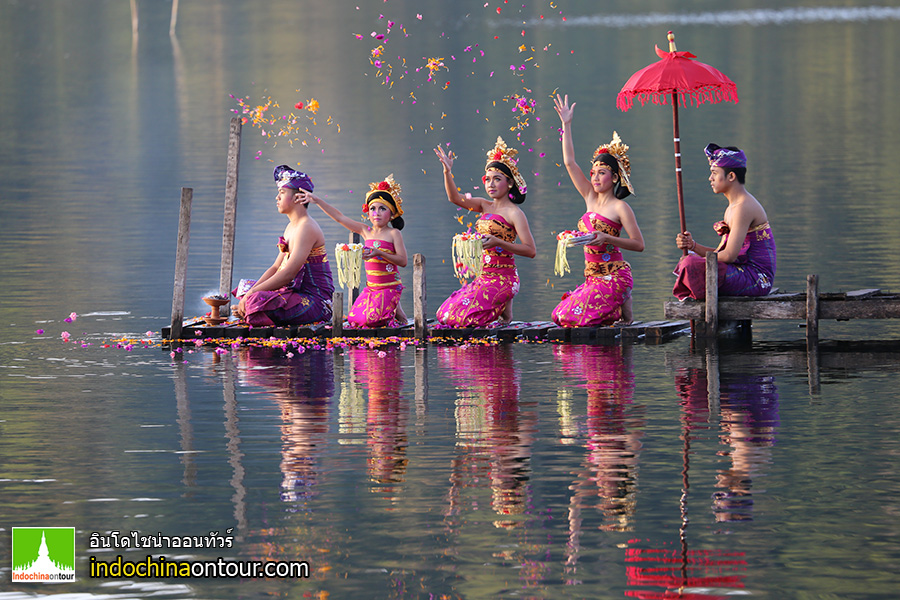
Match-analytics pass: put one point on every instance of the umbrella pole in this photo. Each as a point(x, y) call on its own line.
point(676, 135)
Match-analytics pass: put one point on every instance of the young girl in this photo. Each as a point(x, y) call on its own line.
point(605, 296)
point(297, 288)
point(488, 296)
point(379, 304)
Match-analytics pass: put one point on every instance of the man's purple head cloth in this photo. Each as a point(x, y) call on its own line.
point(289, 178)
point(729, 158)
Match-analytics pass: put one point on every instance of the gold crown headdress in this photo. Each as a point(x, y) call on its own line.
point(389, 187)
point(501, 153)
point(619, 151)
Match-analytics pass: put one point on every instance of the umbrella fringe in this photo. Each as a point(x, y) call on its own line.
point(712, 94)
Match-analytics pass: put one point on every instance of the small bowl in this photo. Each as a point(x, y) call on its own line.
point(216, 301)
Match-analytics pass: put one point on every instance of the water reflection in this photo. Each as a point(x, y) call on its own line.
point(494, 436)
point(743, 404)
point(185, 429)
point(380, 371)
point(611, 432)
point(749, 421)
point(233, 446)
point(302, 387)
point(748, 418)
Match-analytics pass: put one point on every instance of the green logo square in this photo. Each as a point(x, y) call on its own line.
point(43, 554)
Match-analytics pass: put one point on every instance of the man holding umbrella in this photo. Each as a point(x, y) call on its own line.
point(746, 252)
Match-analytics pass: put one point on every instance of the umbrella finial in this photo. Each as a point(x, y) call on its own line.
point(671, 37)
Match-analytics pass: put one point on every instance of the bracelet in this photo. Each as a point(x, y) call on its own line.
point(693, 245)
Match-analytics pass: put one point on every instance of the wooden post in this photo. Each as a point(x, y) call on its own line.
point(181, 257)
point(712, 293)
point(337, 314)
point(231, 189)
point(812, 333)
point(174, 18)
point(812, 308)
point(419, 298)
point(353, 293)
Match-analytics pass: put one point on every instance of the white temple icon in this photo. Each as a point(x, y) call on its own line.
point(43, 563)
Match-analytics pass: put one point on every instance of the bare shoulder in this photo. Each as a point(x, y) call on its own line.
point(308, 231)
point(516, 215)
point(396, 236)
point(519, 220)
point(623, 209)
point(751, 208)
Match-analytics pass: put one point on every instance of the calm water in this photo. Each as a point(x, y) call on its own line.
point(466, 472)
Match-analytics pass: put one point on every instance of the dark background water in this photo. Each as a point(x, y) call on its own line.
point(101, 129)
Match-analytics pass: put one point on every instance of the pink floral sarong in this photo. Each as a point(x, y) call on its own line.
point(376, 304)
point(607, 281)
point(481, 301)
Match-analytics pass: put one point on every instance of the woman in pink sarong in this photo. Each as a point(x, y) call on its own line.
point(385, 253)
point(488, 298)
point(605, 296)
point(746, 253)
point(297, 288)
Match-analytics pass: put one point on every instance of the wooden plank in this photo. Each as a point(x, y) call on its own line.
point(454, 334)
point(181, 258)
point(739, 310)
point(530, 331)
point(559, 334)
point(865, 293)
point(666, 328)
point(537, 331)
point(359, 333)
point(582, 334)
point(685, 309)
point(867, 308)
point(228, 225)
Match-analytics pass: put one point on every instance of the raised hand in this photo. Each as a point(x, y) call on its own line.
point(563, 109)
point(446, 158)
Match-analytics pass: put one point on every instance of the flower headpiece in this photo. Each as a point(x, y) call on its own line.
point(504, 155)
point(386, 192)
point(619, 151)
point(289, 178)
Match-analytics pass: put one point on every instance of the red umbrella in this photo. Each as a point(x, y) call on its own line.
point(679, 79)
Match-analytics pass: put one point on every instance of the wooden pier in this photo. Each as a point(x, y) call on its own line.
point(653, 332)
point(708, 317)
